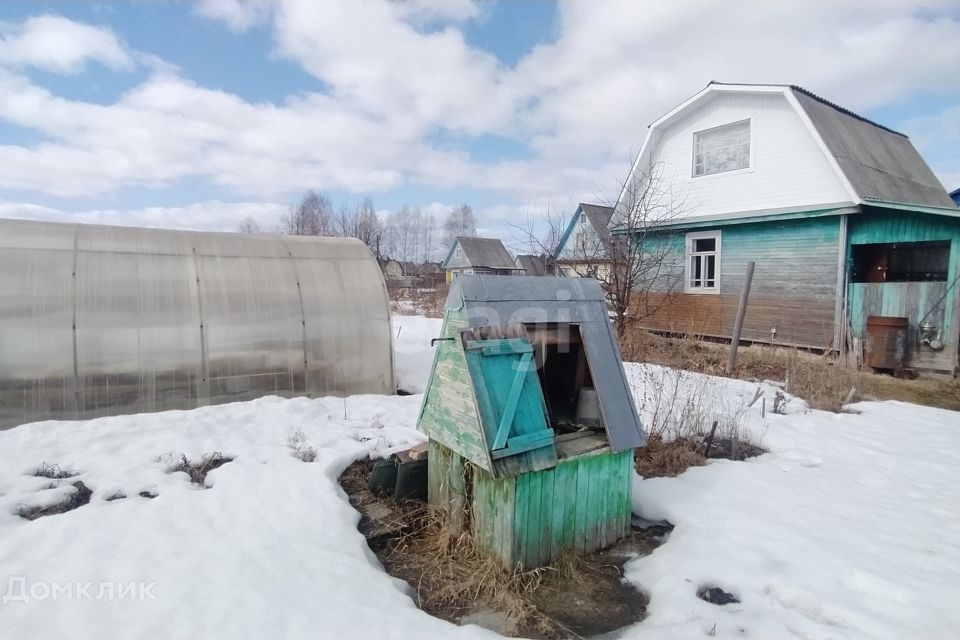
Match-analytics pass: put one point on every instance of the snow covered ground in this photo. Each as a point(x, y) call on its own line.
point(846, 529)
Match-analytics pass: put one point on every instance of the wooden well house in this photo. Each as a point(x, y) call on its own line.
point(530, 418)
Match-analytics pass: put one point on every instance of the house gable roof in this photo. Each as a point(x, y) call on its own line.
point(872, 161)
point(599, 217)
point(879, 163)
point(532, 265)
point(483, 252)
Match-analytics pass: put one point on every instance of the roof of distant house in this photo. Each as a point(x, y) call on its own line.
point(532, 265)
point(599, 217)
point(485, 252)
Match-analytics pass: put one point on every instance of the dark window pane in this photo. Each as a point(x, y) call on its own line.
point(900, 262)
point(705, 244)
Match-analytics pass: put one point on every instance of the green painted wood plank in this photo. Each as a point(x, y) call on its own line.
point(582, 505)
point(606, 483)
point(548, 502)
point(458, 494)
point(560, 501)
point(594, 491)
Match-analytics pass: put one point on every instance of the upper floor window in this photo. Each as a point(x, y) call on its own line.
point(721, 149)
point(703, 262)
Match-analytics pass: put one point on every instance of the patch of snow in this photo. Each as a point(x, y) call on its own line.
point(846, 529)
point(412, 351)
point(270, 550)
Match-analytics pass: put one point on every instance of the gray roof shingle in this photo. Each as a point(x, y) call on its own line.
point(879, 163)
point(486, 252)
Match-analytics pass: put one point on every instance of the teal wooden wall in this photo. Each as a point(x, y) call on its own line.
point(909, 299)
point(794, 283)
point(795, 258)
point(580, 505)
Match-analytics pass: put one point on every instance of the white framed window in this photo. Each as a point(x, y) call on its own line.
point(702, 270)
point(459, 252)
point(724, 148)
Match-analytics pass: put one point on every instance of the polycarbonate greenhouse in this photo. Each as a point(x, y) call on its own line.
point(98, 320)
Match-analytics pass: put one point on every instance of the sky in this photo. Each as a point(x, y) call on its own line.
point(199, 114)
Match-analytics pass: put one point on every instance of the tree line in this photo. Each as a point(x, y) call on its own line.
point(407, 234)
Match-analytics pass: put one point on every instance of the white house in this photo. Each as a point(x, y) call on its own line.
point(841, 215)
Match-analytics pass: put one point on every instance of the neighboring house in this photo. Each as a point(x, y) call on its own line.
point(532, 265)
point(582, 250)
point(392, 269)
point(955, 196)
point(841, 215)
point(409, 268)
point(479, 255)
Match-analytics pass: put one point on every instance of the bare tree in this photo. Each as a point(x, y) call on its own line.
point(428, 226)
point(633, 256)
point(367, 226)
point(401, 234)
point(313, 216)
point(460, 222)
point(249, 225)
point(540, 234)
point(641, 266)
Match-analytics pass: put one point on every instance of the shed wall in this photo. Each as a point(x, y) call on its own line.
point(912, 300)
point(110, 320)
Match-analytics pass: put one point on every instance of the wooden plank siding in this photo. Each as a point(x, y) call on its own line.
point(794, 285)
point(449, 411)
point(912, 300)
point(582, 504)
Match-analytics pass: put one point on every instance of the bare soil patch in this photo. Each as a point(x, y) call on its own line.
point(576, 597)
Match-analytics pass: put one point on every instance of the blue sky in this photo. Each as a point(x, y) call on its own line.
point(200, 114)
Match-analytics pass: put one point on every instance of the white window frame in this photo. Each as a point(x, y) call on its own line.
point(688, 253)
point(693, 149)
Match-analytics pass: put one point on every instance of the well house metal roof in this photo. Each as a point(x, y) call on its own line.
point(500, 301)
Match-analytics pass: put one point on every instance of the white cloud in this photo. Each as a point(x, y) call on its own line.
point(937, 136)
point(377, 61)
point(613, 71)
point(397, 73)
point(202, 216)
point(54, 43)
point(239, 15)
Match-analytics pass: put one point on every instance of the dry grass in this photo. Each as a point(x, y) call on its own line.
point(455, 576)
point(427, 302)
point(300, 447)
point(819, 379)
point(454, 579)
point(54, 472)
point(197, 471)
point(660, 458)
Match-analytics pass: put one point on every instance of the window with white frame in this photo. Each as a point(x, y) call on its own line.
point(721, 149)
point(702, 262)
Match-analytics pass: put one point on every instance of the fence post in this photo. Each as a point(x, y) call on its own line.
point(741, 311)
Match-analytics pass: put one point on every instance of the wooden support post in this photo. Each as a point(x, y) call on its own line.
point(741, 311)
